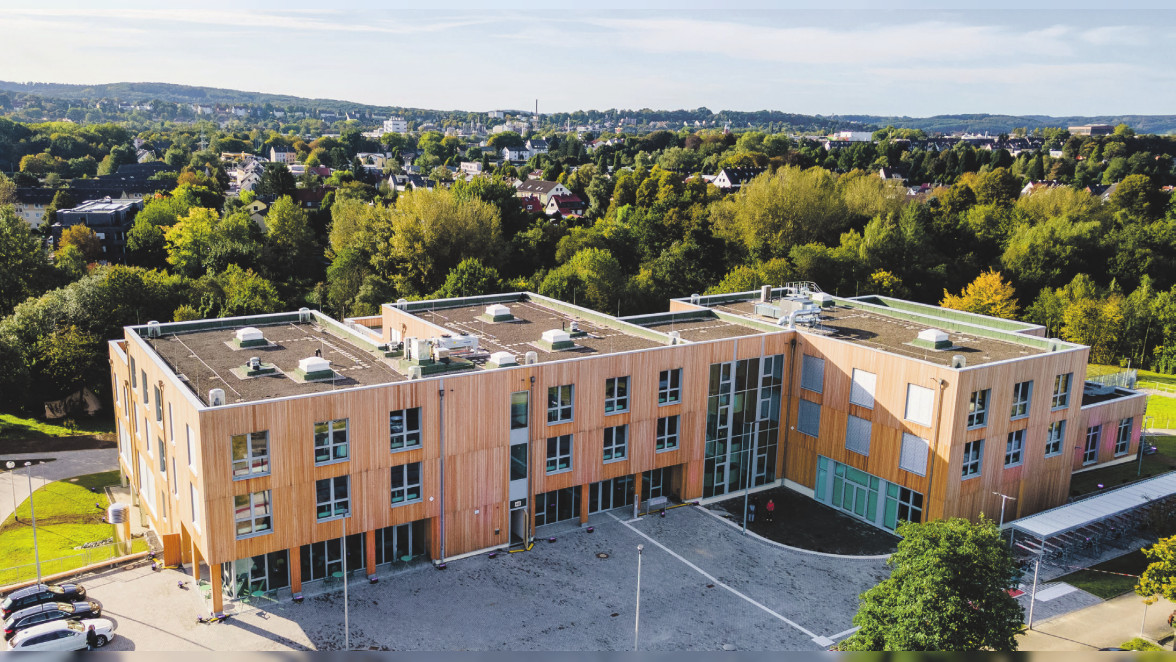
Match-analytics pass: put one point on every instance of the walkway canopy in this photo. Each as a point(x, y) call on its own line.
point(1072, 516)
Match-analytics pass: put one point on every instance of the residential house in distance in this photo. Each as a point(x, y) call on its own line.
point(733, 179)
point(565, 206)
point(109, 219)
point(532, 204)
point(470, 168)
point(395, 124)
point(1092, 130)
point(537, 146)
point(282, 154)
point(256, 211)
point(515, 154)
point(444, 428)
point(31, 203)
point(543, 189)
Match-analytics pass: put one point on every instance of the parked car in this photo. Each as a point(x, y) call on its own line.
point(62, 635)
point(38, 594)
point(49, 611)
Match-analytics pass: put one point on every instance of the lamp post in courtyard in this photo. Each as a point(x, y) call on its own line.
point(637, 616)
point(12, 483)
point(33, 514)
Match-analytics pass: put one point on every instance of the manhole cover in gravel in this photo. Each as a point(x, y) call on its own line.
point(601, 555)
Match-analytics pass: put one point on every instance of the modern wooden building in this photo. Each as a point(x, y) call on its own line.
point(282, 449)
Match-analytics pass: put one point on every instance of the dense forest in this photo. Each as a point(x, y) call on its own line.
point(1089, 254)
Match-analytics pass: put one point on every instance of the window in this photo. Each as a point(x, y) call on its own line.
point(171, 425)
point(406, 483)
point(250, 454)
point(1123, 440)
point(518, 410)
point(134, 375)
point(1014, 448)
point(973, 457)
point(158, 406)
point(559, 404)
point(404, 427)
point(667, 433)
point(191, 448)
point(616, 443)
point(1022, 392)
point(918, 404)
point(518, 461)
point(808, 418)
point(913, 456)
point(559, 454)
point(978, 408)
point(909, 502)
point(252, 513)
point(175, 478)
point(1053, 438)
point(330, 441)
point(616, 395)
point(333, 497)
point(1090, 452)
point(1061, 392)
point(861, 391)
point(162, 456)
point(812, 374)
point(669, 386)
point(857, 435)
point(145, 391)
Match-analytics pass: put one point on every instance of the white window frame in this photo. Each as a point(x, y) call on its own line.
point(338, 505)
point(669, 387)
point(862, 387)
point(667, 433)
point(616, 443)
point(920, 400)
point(1055, 436)
point(1123, 441)
point(406, 486)
point(973, 459)
point(1022, 398)
point(171, 425)
point(191, 448)
point(556, 443)
point(330, 434)
point(407, 437)
point(979, 404)
point(253, 513)
point(1015, 449)
point(250, 462)
point(617, 402)
point(1089, 451)
point(194, 502)
point(559, 410)
point(1061, 398)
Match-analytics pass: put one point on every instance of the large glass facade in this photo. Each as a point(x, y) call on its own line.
point(743, 415)
point(866, 496)
point(557, 505)
point(322, 560)
point(401, 544)
point(260, 574)
point(611, 493)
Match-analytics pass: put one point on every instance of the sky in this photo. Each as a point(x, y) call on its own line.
point(912, 57)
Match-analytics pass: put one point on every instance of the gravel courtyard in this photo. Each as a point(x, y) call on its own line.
point(704, 586)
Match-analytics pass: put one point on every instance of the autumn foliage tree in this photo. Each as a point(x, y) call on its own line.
point(989, 294)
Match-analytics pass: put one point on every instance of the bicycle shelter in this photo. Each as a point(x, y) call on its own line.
point(1082, 527)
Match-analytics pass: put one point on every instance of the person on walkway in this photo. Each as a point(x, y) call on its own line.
point(771, 508)
point(91, 638)
point(751, 511)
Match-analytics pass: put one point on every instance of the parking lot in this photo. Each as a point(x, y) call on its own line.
point(704, 586)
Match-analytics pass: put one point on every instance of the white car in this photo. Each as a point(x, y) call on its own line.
point(62, 635)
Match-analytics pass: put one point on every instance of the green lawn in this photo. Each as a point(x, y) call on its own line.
point(1162, 411)
point(67, 517)
point(1108, 586)
point(17, 426)
point(1128, 472)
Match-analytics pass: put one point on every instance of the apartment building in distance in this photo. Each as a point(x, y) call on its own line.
point(279, 449)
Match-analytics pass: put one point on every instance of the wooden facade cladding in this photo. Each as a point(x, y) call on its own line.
point(1109, 414)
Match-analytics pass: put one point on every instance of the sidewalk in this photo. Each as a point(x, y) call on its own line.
point(1104, 625)
point(66, 464)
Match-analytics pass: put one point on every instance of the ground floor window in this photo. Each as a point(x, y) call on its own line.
point(557, 506)
point(866, 496)
point(321, 560)
point(609, 494)
point(247, 577)
point(655, 483)
point(401, 543)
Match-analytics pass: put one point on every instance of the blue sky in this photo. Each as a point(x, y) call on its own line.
point(852, 57)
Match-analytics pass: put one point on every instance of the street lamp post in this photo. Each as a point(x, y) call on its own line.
point(346, 602)
point(33, 513)
point(637, 615)
point(1003, 500)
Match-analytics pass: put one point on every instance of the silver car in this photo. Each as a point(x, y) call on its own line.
point(49, 611)
point(62, 635)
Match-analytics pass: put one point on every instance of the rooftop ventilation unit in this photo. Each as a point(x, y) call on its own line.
point(216, 397)
point(694, 298)
point(932, 339)
point(675, 338)
point(153, 329)
point(250, 337)
point(254, 363)
point(555, 339)
point(304, 315)
point(497, 313)
point(457, 343)
point(767, 310)
point(821, 299)
point(314, 367)
point(501, 360)
point(958, 361)
point(402, 304)
point(1055, 344)
point(414, 372)
point(766, 294)
point(531, 358)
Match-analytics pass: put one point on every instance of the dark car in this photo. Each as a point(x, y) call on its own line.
point(49, 611)
point(31, 596)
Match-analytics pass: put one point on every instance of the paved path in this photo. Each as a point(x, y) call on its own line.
point(1104, 625)
point(66, 464)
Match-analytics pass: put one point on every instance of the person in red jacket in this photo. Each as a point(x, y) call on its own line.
point(771, 508)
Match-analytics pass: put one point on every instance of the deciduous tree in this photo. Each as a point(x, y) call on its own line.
point(989, 294)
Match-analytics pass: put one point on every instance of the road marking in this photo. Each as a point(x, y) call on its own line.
point(848, 632)
point(716, 582)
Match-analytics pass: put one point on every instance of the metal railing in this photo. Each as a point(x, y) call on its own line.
point(1123, 378)
point(20, 573)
